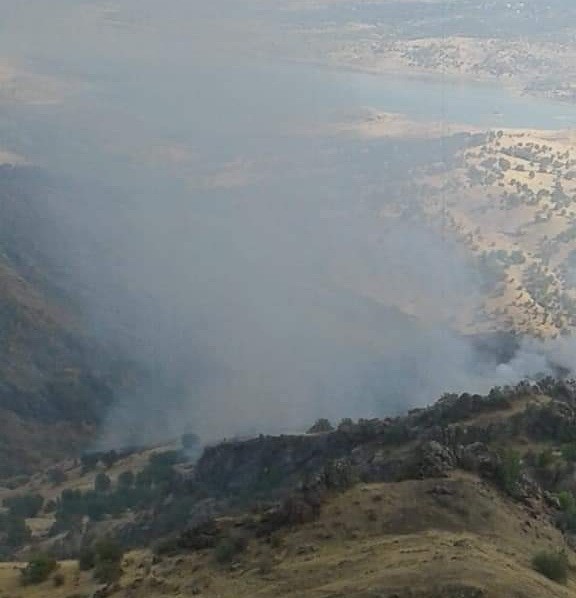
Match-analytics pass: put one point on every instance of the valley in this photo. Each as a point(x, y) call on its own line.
point(221, 225)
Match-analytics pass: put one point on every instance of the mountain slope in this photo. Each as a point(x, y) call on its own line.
point(54, 382)
point(455, 500)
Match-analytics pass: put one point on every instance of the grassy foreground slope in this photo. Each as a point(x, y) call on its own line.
point(452, 501)
point(452, 537)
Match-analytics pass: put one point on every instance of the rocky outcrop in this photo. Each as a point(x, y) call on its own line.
point(268, 465)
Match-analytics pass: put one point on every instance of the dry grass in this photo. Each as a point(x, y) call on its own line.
point(430, 538)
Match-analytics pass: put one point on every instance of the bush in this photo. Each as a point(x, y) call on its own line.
point(38, 569)
point(86, 558)
point(56, 476)
point(545, 459)
point(108, 550)
point(26, 506)
point(108, 555)
point(167, 547)
point(107, 572)
point(109, 458)
point(89, 462)
point(509, 471)
point(160, 469)
point(17, 533)
point(321, 425)
point(58, 580)
point(567, 520)
point(102, 483)
point(126, 480)
point(569, 452)
point(567, 501)
point(553, 565)
point(230, 547)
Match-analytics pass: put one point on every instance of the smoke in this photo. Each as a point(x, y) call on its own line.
point(234, 256)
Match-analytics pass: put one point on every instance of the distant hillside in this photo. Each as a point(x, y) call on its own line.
point(509, 199)
point(54, 382)
point(527, 45)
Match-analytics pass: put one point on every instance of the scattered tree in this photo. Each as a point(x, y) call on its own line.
point(38, 569)
point(321, 425)
point(89, 462)
point(102, 482)
point(26, 506)
point(126, 480)
point(108, 561)
point(56, 476)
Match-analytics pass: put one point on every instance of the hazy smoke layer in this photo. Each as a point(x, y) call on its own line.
point(216, 242)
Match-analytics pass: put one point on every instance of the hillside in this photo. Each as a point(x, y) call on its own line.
point(450, 538)
point(504, 199)
point(454, 500)
point(54, 381)
point(526, 45)
point(507, 198)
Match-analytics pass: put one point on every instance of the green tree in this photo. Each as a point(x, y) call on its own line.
point(109, 458)
point(230, 547)
point(17, 533)
point(27, 505)
point(56, 476)
point(107, 561)
point(102, 482)
point(509, 471)
point(321, 425)
point(86, 558)
point(126, 480)
point(38, 569)
point(89, 462)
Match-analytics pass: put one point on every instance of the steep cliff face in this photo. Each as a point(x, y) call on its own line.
point(54, 382)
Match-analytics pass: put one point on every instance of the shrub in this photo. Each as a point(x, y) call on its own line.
point(567, 519)
point(545, 459)
point(126, 480)
point(509, 471)
point(160, 469)
point(167, 547)
point(569, 452)
point(86, 558)
point(109, 458)
point(56, 476)
point(567, 501)
point(230, 547)
point(26, 506)
point(553, 565)
point(108, 561)
point(107, 572)
point(321, 425)
point(346, 424)
point(108, 550)
point(38, 569)
point(50, 506)
point(89, 462)
point(58, 580)
point(16, 482)
point(102, 483)
point(17, 533)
